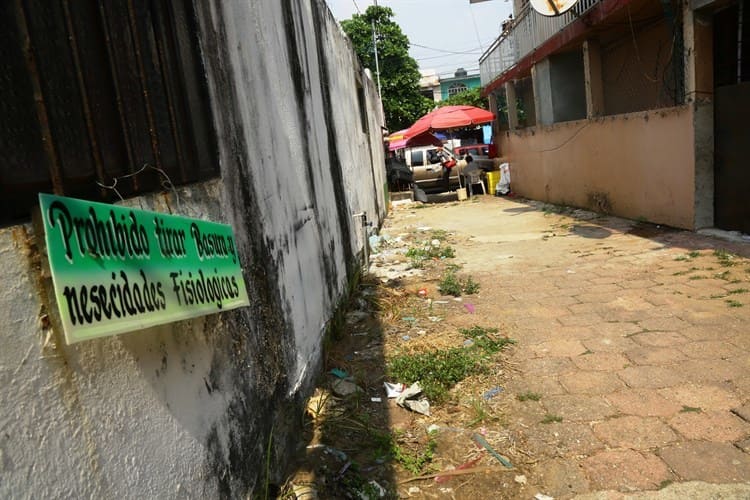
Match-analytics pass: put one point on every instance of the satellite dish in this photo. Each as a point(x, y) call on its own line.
point(552, 8)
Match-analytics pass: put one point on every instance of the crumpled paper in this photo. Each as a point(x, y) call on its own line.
point(409, 399)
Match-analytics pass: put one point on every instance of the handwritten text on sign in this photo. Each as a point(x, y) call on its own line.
point(117, 269)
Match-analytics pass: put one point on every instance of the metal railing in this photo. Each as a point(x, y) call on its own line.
point(527, 32)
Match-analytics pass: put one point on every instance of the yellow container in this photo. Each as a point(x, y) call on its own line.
point(492, 179)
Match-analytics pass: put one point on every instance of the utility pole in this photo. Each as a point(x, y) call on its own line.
point(375, 44)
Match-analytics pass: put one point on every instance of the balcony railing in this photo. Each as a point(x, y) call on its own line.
point(527, 32)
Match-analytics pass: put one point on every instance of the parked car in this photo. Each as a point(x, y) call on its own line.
point(427, 170)
point(483, 155)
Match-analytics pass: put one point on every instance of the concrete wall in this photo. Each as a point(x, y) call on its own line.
point(187, 410)
point(559, 88)
point(638, 165)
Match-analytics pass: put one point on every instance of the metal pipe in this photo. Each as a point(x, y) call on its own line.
point(39, 105)
point(118, 93)
point(95, 153)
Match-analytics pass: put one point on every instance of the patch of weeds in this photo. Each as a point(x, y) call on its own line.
point(428, 252)
point(722, 276)
point(681, 257)
point(550, 418)
point(587, 351)
point(665, 483)
point(440, 234)
point(718, 296)
point(437, 371)
point(738, 290)
point(484, 339)
point(733, 303)
point(680, 273)
point(529, 396)
point(452, 285)
point(471, 286)
point(726, 259)
point(480, 413)
point(693, 278)
point(690, 409)
point(735, 281)
point(414, 461)
point(452, 268)
point(693, 254)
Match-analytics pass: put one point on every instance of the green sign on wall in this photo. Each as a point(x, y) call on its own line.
point(117, 269)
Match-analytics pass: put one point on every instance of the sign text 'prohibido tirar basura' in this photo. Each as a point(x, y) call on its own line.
point(117, 269)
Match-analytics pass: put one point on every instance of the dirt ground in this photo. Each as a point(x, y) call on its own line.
point(624, 360)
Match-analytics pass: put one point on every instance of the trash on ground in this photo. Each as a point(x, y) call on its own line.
point(542, 496)
point(376, 400)
point(406, 337)
point(468, 342)
point(520, 479)
point(343, 470)
point(343, 388)
point(435, 243)
point(408, 399)
point(376, 488)
point(411, 319)
point(422, 292)
point(336, 453)
point(414, 491)
point(393, 390)
point(470, 308)
point(467, 465)
point(433, 428)
point(483, 442)
point(338, 372)
point(492, 392)
point(304, 492)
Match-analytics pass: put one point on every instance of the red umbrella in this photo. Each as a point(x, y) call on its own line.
point(423, 139)
point(449, 117)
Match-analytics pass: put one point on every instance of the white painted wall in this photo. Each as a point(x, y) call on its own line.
point(185, 410)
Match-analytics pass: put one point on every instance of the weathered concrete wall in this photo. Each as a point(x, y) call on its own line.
point(188, 409)
point(638, 165)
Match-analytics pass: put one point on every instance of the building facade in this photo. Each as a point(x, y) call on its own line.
point(623, 106)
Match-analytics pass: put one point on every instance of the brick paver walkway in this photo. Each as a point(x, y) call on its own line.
point(637, 337)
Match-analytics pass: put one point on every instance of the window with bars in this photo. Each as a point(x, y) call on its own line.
point(93, 90)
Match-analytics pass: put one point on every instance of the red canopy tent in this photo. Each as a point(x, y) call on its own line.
point(449, 117)
point(397, 140)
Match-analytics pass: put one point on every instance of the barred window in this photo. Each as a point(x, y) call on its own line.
point(91, 91)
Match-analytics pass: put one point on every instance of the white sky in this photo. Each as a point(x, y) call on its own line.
point(438, 28)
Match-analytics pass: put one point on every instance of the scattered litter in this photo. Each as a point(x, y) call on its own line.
point(393, 390)
point(470, 308)
point(343, 470)
point(446, 491)
point(483, 442)
point(435, 319)
point(468, 342)
point(315, 446)
point(422, 292)
point(353, 317)
point(343, 388)
point(458, 299)
point(376, 488)
point(424, 229)
point(445, 477)
point(407, 400)
point(542, 496)
point(411, 319)
point(433, 428)
point(421, 332)
point(492, 392)
point(414, 491)
point(570, 271)
point(304, 492)
point(435, 243)
point(336, 453)
point(455, 472)
point(376, 400)
point(520, 479)
point(338, 372)
point(441, 302)
point(406, 337)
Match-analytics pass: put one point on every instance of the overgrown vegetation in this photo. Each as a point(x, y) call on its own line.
point(439, 370)
point(451, 284)
point(550, 419)
point(419, 255)
point(414, 461)
point(529, 396)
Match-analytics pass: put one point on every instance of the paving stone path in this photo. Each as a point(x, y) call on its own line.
point(635, 337)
